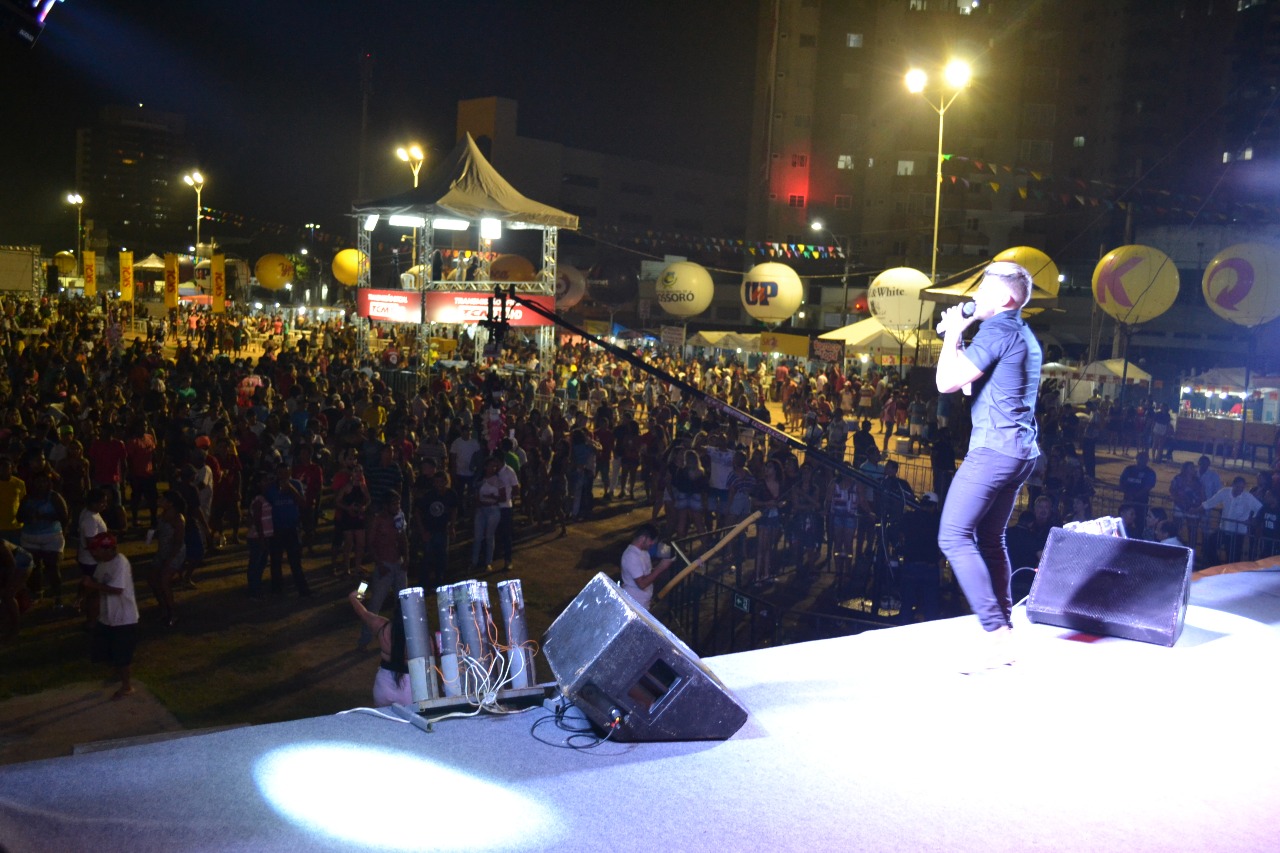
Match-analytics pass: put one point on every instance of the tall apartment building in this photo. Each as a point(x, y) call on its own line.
point(128, 168)
point(1076, 110)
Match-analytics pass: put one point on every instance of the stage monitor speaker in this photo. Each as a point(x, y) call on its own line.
point(1108, 585)
point(627, 672)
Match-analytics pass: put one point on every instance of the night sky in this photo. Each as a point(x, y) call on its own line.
point(271, 91)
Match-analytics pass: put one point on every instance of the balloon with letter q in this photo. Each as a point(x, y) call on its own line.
point(1135, 284)
point(772, 292)
point(684, 289)
point(1240, 284)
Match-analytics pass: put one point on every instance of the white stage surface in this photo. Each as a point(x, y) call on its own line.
point(874, 742)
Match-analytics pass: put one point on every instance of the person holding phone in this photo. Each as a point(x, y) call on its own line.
point(390, 686)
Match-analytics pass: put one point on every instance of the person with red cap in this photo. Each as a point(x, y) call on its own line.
point(115, 637)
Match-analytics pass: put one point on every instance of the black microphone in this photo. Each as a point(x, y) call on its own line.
point(966, 310)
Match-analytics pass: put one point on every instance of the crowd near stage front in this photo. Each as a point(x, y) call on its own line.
point(873, 742)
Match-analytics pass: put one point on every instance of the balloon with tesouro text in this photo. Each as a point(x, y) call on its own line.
point(894, 297)
point(1240, 284)
point(684, 289)
point(273, 271)
point(346, 266)
point(772, 292)
point(571, 286)
point(1135, 284)
point(1044, 272)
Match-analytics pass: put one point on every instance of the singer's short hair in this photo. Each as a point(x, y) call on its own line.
point(1015, 277)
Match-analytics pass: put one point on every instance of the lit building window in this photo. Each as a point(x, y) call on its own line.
point(844, 161)
point(1077, 142)
point(906, 167)
point(853, 39)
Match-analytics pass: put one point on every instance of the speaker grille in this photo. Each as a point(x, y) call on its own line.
point(1118, 587)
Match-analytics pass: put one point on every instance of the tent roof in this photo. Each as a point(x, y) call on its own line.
point(726, 340)
point(1115, 367)
point(1231, 379)
point(467, 186)
point(962, 287)
point(870, 333)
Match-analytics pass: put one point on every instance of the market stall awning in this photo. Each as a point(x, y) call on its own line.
point(725, 340)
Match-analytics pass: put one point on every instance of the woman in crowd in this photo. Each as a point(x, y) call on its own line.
point(44, 517)
point(171, 552)
point(350, 503)
point(391, 685)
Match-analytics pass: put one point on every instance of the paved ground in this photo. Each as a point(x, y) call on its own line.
point(232, 660)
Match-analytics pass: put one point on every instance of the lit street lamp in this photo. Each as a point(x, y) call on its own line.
point(414, 156)
point(195, 180)
point(956, 76)
point(78, 201)
point(818, 225)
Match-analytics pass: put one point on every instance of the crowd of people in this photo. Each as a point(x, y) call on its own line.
point(197, 447)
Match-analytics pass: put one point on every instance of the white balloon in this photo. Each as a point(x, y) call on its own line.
point(772, 292)
point(895, 299)
point(684, 289)
point(571, 286)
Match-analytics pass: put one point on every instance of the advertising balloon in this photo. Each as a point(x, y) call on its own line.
point(684, 289)
point(772, 292)
point(273, 271)
point(1135, 284)
point(1044, 272)
point(1240, 284)
point(346, 266)
point(571, 286)
point(511, 268)
point(613, 282)
point(894, 297)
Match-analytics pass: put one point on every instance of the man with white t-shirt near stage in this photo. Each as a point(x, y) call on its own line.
point(1001, 368)
point(638, 571)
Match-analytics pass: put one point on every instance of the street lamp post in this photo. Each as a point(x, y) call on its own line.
point(77, 201)
point(956, 76)
point(414, 156)
point(817, 225)
point(195, 180)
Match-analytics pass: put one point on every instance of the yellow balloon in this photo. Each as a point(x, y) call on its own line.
point(1240, 284)
point(346, 266)
point(1135, 284)
point(66, 262)
point(273, 271)
point(511, 268)
point(1044, 272)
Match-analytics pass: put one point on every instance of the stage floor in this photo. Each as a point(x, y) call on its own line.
point(874, 742)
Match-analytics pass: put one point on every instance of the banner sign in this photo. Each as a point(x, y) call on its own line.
point(89, 263)
point(126, 276)
point(454, 307)
point(218, 279)
point(389, 306)
point(829, 351)
point(672, 336)
point(793, 345)
point(171, 281)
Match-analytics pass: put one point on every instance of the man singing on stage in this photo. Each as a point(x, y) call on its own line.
point(1002, 364)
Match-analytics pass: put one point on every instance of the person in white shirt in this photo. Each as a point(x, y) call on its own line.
point(1238, 509)
point(638, 572)
point(115, 636)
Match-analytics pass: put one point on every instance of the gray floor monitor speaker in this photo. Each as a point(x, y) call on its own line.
point(627, 672)
point(1117, 587)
